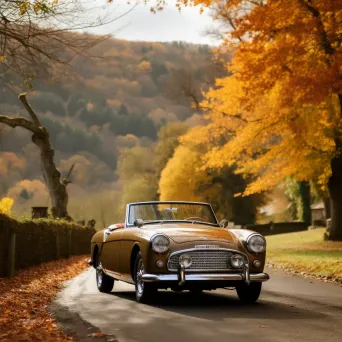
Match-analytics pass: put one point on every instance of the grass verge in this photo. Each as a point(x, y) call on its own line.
point(24, 300)
point(306, 252)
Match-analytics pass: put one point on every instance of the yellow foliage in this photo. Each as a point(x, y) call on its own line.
point(183, 177)
point(180, 177)
point(6, 205)
point(144, 67)
point(278, 113)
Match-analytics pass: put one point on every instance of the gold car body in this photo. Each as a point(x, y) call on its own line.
point(119, 244)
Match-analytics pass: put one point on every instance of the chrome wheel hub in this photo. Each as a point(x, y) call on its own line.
point(99, 274)
point(140, 282)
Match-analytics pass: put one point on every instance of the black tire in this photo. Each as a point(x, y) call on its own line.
point(249, 294)
point(104, 283)
point(196, 292)
point(144, 292)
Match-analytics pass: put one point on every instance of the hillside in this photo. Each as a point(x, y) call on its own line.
point(118, 99)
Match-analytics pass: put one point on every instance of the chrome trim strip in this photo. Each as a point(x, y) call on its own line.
point(259, 277)
point(191, 277)
point(204, 277)
point(118, 276)
point(215, 270)
point(202, 249)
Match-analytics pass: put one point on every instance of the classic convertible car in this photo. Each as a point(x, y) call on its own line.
point(178, 245)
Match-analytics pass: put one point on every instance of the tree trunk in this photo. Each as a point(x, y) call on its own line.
point(335, 189)
point(305, 198)
point(41, 138)
point(327, 208)
point(57, 189)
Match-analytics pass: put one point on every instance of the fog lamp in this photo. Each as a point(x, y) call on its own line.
point(185, 260)
point(160, 263)
point(256, 263)
point(237, 261)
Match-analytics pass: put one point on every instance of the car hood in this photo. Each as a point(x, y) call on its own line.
point(192, 232)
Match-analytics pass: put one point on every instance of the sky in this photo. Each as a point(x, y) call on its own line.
point(168, 25)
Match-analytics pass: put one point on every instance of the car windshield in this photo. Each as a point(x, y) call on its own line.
point(171, 211)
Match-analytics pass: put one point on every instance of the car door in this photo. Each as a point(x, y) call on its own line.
point(110, 253)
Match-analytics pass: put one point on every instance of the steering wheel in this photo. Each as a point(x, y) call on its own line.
point(195, 218)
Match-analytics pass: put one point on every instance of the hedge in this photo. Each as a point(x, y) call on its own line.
point(278, 228)
point(25, 243)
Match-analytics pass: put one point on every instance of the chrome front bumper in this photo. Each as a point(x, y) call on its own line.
point(206, 277)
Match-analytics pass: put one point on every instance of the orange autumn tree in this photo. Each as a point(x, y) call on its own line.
point(281, 105)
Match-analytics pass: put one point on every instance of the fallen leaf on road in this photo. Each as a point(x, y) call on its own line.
point(263, 326)
point(98, 334)
point(25, 299)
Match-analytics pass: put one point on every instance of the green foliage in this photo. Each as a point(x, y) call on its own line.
point(25, 194)
point(48, 102)
point(168, 136)
point(137, 175)
point(41, 240)
point(306, 252)
point(133, 123)
point(298, 194)
point(71, 140)
point(158, 69)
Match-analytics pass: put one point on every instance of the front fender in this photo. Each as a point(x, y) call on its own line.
point(96, 241)
point(242, 235)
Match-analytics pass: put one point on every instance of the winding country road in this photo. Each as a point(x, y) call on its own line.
point(290, 309)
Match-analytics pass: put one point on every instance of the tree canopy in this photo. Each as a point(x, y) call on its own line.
point(281, 103)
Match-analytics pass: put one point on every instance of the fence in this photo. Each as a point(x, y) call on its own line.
point(278, 228)
point(30, 242)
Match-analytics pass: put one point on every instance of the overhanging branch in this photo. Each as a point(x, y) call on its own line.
point(19, 122)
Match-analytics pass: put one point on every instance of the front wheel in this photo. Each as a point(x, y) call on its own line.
point(144, 292)
point(196, 291)
point(104, 283)
point(249, 294)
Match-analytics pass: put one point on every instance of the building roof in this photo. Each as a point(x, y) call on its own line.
point(317, 206)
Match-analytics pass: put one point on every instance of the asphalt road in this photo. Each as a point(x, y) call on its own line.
point(290, 309)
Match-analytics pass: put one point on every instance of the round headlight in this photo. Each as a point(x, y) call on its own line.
point(237, 261)
point(185, 260)
point(160, 243)
point(256, 243)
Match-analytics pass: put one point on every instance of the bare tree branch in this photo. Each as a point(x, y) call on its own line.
point(325, 43)
point(23, 99)
point(67, 180)
point(19, 122)
point(32, 40)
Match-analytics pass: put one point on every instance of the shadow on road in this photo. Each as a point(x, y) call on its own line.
point(217, 306)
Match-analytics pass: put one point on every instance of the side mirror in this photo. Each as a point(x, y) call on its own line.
point(224, 223)
point(138, 223)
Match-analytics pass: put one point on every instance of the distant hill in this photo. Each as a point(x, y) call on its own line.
point(120, 97)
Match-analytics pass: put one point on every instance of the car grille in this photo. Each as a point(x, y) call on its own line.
point(204, 260)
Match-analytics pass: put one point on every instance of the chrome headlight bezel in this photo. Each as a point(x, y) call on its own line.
point(185, 260)
point(238, 257)
point(157, 248)
point(250, 239)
